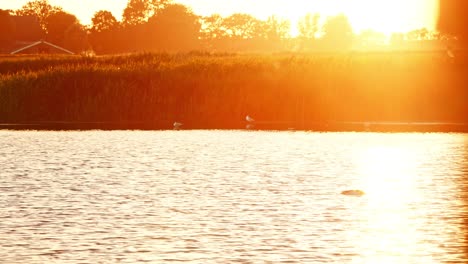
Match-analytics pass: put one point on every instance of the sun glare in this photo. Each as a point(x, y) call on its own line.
point(392, 16)
point(397, 181)
point(383, 16)
point(389, 179)
point(395, 169)
point(386, 16)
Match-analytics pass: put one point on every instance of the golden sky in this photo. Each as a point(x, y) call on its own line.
point(382, 15)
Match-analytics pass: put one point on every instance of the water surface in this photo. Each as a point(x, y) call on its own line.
point(232, 197)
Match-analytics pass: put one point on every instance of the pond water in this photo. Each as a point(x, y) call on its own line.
point(208, 196)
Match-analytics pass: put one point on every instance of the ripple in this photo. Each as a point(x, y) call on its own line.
point(232, 197)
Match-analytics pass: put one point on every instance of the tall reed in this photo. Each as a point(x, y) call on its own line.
point(218, 90)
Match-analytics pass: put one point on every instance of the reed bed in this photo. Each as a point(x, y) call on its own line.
point(218, 90)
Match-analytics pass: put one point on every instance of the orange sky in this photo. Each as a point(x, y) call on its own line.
point(382, 15)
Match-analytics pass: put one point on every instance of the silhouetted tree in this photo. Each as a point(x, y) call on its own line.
point(243, 32)
point(309, 26)
point(39, 8)
point(28, 28)
point(418, 34)
point(106, 34)
point(7, 28)
point(135, 12)
point(139, 11)
point(57, 24)
point(175, 27)
point(76, 38)
point(212, 27)
point(275, 32)
point(309, 30)
point(276, 28)
point(103, 21)
point(243, 26)
point(338, 33)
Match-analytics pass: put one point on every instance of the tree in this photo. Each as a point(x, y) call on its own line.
point(106, 34)
point(175, 27)
point(139, 11)
point(212, 32)
point(76, 38)
point(309, 30)
point(243, 26)
point(28, 28)
point(103, 21)
point(243, 32)
point(338, 33)
point(418, 34)
point(309, 26)
point(136, 12)
point(7, 28)
point(212, 27)
point(39, 8)
point(109, 41)
point(57, 24)
point(277, 29)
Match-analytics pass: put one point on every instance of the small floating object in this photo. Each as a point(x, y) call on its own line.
point(353, 192)
point(249, 119)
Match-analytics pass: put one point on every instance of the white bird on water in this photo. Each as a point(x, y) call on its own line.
point(177, 125)
point(249, 119)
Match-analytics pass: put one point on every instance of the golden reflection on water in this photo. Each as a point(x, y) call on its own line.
point(396, 229)
point(389, 174)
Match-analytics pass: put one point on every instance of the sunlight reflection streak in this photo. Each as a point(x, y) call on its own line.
point(395, 227)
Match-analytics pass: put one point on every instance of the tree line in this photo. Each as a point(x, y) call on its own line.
point(163, 25)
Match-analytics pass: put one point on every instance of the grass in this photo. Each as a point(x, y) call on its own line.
point(218, 90)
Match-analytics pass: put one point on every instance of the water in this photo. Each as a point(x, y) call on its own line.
point(232, 197)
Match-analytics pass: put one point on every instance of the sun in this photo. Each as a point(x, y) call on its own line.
point(385, 16)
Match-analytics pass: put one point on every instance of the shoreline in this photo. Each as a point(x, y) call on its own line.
point(381, 127)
